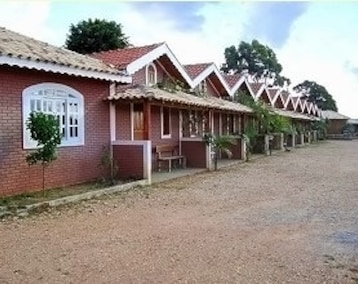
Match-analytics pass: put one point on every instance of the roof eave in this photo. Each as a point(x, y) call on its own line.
point(56, 68)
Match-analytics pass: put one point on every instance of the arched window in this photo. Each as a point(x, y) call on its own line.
point(63, 102)
point(151, 74)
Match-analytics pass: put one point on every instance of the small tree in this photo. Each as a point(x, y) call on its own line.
point(219, 143)
point(250, 136)
point(96, 35)
point(45, 131)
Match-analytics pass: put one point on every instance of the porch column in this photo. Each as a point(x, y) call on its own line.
point(293, 140)
point(282, 142)
point(112, 120)
point(302, 138)
point(220, 124)
point(211, 122)
point(309, 137)
point(266, 144)
point(147, 120)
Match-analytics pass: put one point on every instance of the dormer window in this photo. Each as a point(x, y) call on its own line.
point(151, 75)
point(202, 87)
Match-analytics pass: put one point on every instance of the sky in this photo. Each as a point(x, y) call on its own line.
point(316, 41)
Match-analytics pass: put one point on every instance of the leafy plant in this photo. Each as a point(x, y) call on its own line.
point(250, 136)
point(45, 130)
point(218, 144)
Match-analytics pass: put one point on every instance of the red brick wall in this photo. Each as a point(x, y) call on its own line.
point(123, 121)
point(74, 164)
point(129, 159)
point(155, 132)
point(195, 153)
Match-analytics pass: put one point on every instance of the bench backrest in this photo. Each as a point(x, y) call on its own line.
point(166, 150)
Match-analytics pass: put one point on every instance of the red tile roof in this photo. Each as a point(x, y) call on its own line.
point(120, 58)
point(194, 70)
point(231, 80)
point(256, 87)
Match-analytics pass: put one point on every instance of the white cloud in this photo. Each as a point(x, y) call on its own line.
point(319, 49)
point(27, 17)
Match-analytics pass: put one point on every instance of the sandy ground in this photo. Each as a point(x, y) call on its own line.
point(289, 218)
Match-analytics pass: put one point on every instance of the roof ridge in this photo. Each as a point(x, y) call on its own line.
point(127, 48)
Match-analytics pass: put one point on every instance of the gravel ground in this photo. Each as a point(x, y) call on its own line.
point(289, 218)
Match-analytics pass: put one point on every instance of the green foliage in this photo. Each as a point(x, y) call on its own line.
point(318, 94)
point(243, 98)
point(321, 127)
point(258, 59)
point(279, 124)
point(172, 86)
point(218, 144)
point(96, 35)
point(44, 129)
point(250, 137)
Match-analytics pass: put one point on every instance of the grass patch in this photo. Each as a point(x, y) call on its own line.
point(24, 199)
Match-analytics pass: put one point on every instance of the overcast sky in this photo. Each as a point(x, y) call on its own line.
point(313, 40)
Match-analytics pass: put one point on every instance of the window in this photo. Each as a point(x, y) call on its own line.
point(63, 102)
point(151, 74)
point(166, 122)
point(203, 87)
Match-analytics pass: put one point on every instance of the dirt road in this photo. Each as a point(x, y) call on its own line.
point(289, 218)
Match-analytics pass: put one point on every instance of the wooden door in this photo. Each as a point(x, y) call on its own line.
point(138, 122)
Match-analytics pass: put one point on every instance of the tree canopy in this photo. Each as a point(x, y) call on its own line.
point(95, 35)
point(259, 60)
point(318, 94)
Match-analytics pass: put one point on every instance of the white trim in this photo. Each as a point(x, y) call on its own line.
point(220, 124)
point(155, 54)
point(147, 74)
point(180, 129)
point(28, 143)
point(147, 160)
point(212, 85)
point(261, 91)
point(167, 136)
point(210, 69)
point(191, 139)
point(238, 84)
point(55, 68)
point(112, 113)
point(131, 110)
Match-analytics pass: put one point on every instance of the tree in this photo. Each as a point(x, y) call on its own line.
point(45, 130)
point(96, 35)
point(259, 60)
point(318, 94)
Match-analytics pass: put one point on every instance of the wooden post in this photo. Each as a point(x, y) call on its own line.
point(147, 120)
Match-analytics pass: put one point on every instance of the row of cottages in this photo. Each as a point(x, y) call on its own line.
point(134, 104)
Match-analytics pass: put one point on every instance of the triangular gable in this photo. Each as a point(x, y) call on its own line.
point(265, 97)
point(256, 89)
point(235, 81)
point(290, 103)
point(134, 58)
point(278, 101)
point(297, 104)
point(305, 108)
point(213, 73)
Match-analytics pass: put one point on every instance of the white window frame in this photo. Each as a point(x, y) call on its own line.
point(147, 74)
point(165, 136)
point(57, 92)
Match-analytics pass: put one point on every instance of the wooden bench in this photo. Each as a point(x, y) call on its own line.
point(168, 153)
